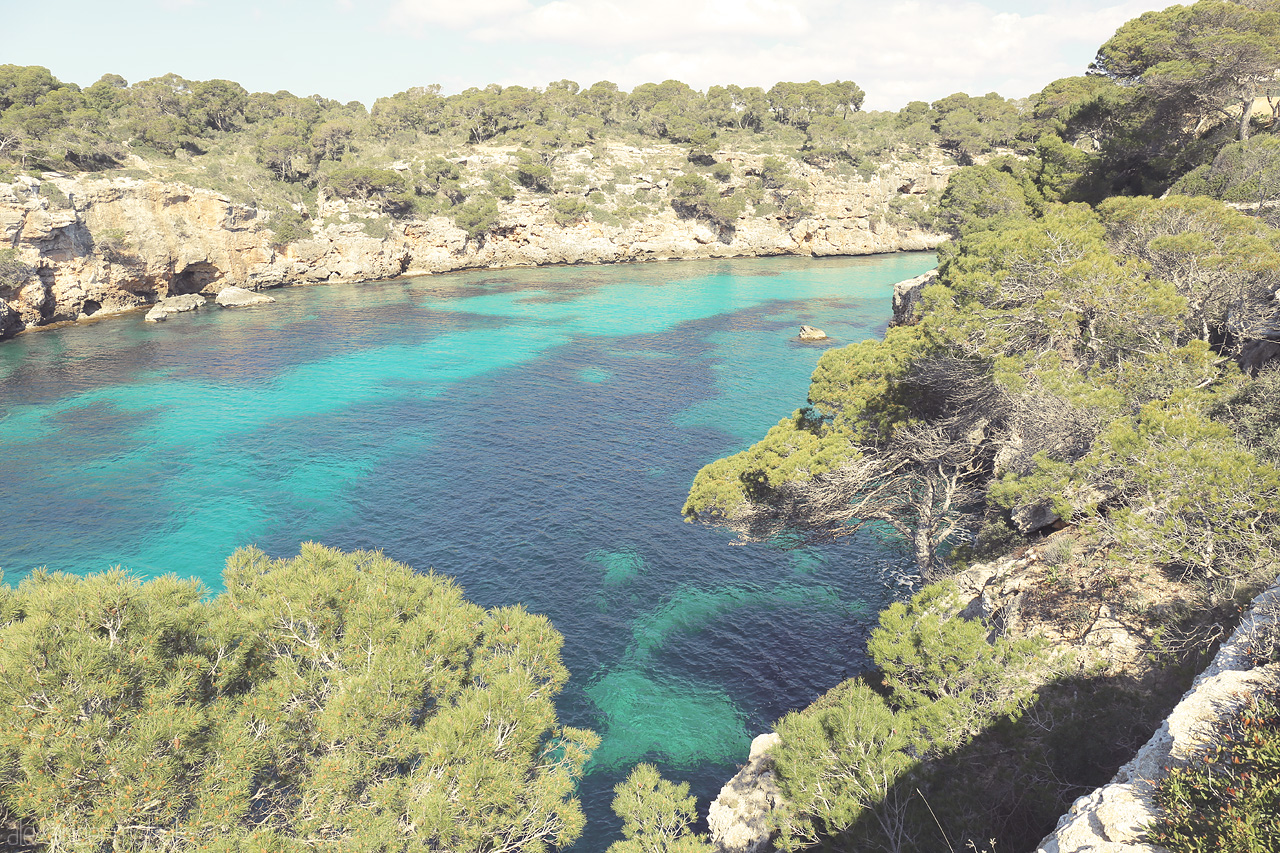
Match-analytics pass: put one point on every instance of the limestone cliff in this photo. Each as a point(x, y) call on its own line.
point(1112, 819)
point(101, 245)
point(1042, 592)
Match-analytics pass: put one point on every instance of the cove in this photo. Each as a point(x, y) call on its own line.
point(531, 432)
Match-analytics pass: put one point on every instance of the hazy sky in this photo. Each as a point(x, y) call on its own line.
point(897, 50)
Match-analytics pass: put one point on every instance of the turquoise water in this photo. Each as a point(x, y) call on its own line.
point(531, 432)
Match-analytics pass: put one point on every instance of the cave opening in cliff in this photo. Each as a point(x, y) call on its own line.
point(194, 278)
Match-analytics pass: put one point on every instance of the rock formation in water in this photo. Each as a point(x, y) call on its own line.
point(739, 817)
point(103, 245)
point(174, 305)
point(237, 297)
point(906, 297)
point(809, 333)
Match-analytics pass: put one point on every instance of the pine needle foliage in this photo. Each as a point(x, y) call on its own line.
point(331, 701)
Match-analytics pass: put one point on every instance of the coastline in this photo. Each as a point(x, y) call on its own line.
point(120, 244)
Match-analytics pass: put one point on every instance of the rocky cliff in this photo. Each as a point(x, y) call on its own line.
point(99, 245)
point(1112, 819)
point(1036, 592)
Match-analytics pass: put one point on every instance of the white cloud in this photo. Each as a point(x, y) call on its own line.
point(618, 22)
point(453, 14)
point(897, 50)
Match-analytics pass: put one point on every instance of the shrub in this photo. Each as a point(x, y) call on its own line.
point(533, 174)
point(1253, 414)
point(1227, 800)
point(845, 760)
point(942, 668)
point(477, 217)
point(1059, 550)
point(13, 272)
point(386, 187)
point(500, 185)
point(57, 198)
point(837, 760)
point(333, 700)
point(288, 226)
point(657, 815)
point(567, 210)
point(774, 173)
point(692, 195)
point(1179, 490)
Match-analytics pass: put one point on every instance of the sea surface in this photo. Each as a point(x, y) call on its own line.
point(531, 432)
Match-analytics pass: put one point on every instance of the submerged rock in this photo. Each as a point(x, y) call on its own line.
point(238, 297)
point(739, 817)
point(809, 333)
point(174, 305)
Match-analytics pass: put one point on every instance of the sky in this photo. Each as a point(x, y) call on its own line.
point(896, 50)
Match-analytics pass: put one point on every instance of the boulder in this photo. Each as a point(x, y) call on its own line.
point(739, 817)
point(809, 333)
point(1255, 354)
point(1029, 518)
point(238, 297)
point(174, 305)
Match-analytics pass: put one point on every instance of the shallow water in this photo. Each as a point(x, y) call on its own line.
point(532, 433)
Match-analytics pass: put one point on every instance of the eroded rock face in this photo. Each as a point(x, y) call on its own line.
point(809, 333)
point(739, 817)
point(906, 297)
point(109, 245)
point(10, 320)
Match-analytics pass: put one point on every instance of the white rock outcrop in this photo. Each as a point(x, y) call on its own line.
point(739, 817)
point(906, 296)
point(238, 297)
point(809, 333)
point(119, 244)
point(1111, 819)
point(174, 305)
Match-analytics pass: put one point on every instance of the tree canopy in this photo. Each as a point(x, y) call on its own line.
point(331, 701)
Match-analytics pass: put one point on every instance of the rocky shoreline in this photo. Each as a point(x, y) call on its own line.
point(1113, 817)
point(100, 245)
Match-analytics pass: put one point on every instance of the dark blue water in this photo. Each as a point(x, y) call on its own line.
point(532, 433)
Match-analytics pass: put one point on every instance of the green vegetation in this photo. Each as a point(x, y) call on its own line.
point(847, 764)
point(656, 815)
point(410, 154)
point(1227, 798)
point(477, 217)
point(333, 701)
point(694, 196)
point(13, 272)
point(1090, 356)
point(1060, 347)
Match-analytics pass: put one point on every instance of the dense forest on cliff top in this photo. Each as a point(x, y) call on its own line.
point(419, 153)
point(1089, 381)
point(1092, 356)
